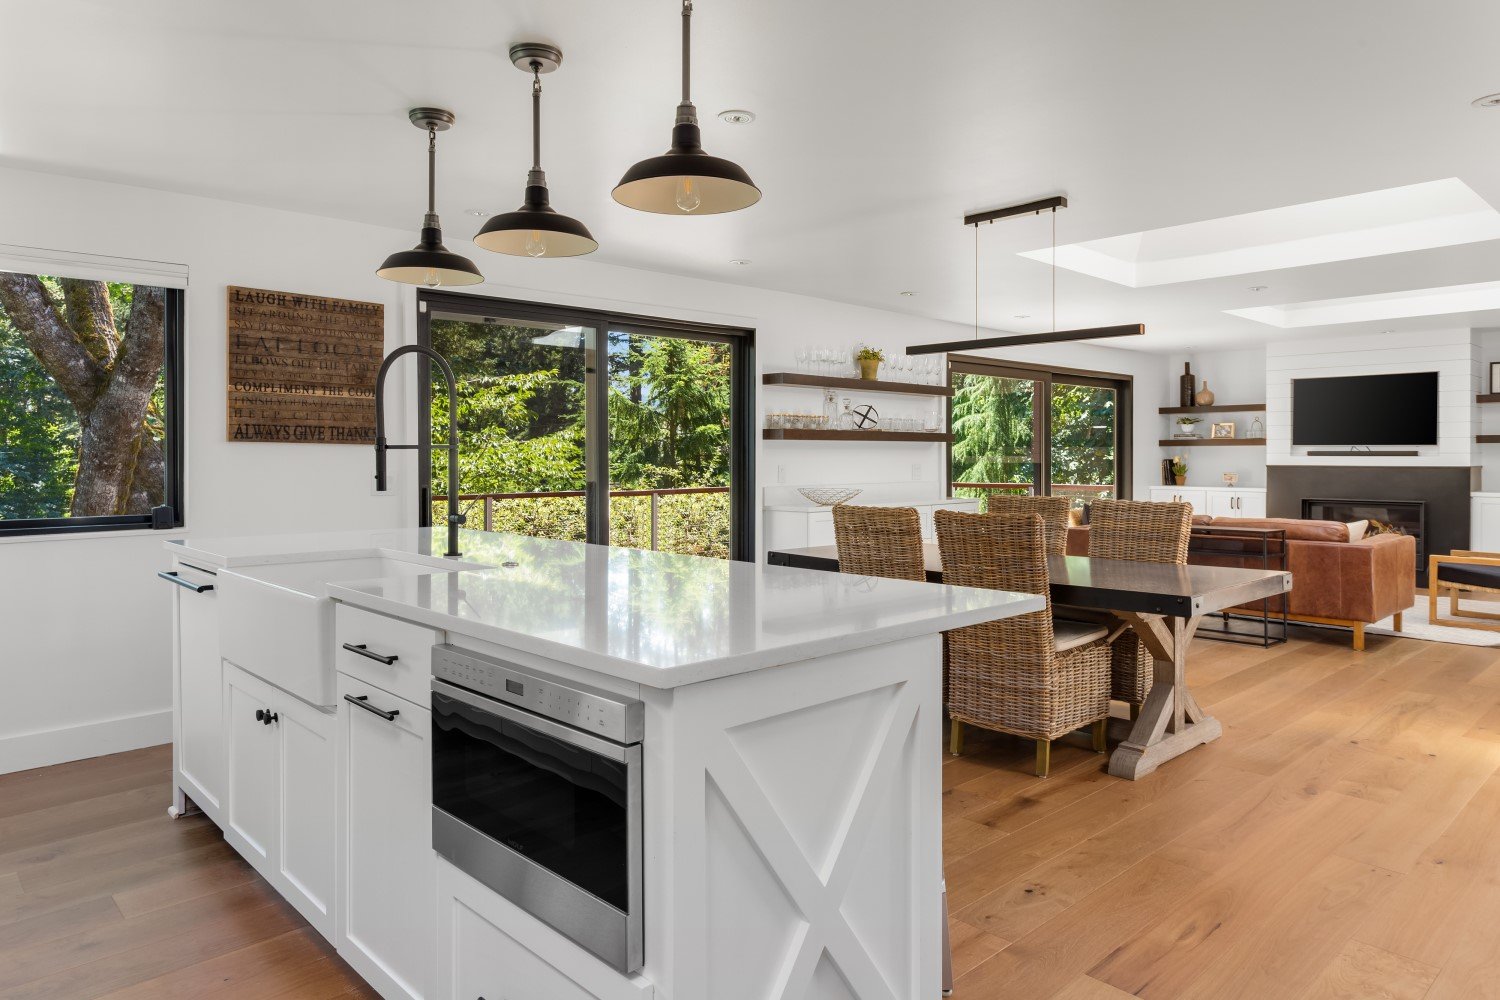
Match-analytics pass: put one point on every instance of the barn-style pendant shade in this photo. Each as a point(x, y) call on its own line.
point(685, 180)
point(430, 263)
point(536, 229)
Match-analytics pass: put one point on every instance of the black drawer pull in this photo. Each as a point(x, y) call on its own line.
point(172, 576)
point(363, 701)
point(265, 717)
point(364, 651)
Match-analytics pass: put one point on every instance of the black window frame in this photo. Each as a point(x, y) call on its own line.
point(1044, 376)
point(171, 514)
point(743, 434)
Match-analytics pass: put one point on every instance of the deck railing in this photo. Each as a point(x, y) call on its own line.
point(1077, 492)
point(489, 500)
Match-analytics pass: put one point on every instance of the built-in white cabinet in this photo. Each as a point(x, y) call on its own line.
point(385, 869)
point(1484, 522)
point(279, 794)
point(1215, 501)
point(796, 527)
point(198, 683)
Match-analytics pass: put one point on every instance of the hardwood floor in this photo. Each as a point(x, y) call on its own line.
point(1341, 842)
point(101, 895)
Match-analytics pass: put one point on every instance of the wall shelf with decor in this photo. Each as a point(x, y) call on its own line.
point(802, 434)
point(1487, 397)
point(856, 384)
point(1220, 408)
point(1216, 442)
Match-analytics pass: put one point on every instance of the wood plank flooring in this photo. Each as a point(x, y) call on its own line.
point(1341, 842)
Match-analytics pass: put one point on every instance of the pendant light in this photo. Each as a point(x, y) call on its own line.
point(1022, 339)
point(685, 180)
point(429, 262)
point(536, 229)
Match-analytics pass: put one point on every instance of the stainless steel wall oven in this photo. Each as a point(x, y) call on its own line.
point(536, 792)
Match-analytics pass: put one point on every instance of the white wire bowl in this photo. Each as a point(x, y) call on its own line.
point(829, 495)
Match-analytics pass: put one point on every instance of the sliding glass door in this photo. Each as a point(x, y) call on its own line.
point(1036, 431)
point(584, 426)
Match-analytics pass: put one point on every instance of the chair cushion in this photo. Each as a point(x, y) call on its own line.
point(1067, 634)
point(1469, 574)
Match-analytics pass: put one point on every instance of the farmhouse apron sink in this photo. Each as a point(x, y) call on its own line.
point(276, 620)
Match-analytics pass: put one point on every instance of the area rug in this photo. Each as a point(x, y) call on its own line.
point(1416, 625)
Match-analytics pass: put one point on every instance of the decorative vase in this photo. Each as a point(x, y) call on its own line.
point(1186, 383)
point(1205, 396)
point(1181, 480)
point(869, 368)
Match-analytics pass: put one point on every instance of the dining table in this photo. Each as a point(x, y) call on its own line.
point(1163, 604)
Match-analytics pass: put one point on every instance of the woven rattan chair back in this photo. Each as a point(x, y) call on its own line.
point(879, 541)
point(998, 552)
point(1135, 529)
point(1052, 510)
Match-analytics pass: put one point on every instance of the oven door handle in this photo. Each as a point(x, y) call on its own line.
point(539, 723)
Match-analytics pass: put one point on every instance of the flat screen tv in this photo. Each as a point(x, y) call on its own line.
point(1366, 410)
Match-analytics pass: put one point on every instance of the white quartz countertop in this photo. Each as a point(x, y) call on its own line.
point(651, 618)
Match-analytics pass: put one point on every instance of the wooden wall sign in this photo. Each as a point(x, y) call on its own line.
point(302, 367)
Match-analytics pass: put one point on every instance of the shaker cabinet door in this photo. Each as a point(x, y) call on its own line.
point(254, 770)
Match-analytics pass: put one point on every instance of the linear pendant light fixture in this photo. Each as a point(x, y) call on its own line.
point(429, 262)
point(685, 180)
point(1016, 340)
point(536, 229)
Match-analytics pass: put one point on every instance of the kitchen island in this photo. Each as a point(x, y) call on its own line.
point(565, 770)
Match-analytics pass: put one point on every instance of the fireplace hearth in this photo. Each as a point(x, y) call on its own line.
point(1405, 517)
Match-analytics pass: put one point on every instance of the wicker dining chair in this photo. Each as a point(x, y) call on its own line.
point(1018, 675)
point(1052, 510)
point(879, 541)
point(1145, 532)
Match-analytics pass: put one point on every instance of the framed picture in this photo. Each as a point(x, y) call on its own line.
point(1495, 376)
point(1223, 430)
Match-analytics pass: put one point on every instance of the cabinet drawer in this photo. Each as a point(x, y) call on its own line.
point(409, 675)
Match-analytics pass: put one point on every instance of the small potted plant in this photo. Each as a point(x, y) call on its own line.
point(1179, 471)
point(869, 359)
point(1185, 426)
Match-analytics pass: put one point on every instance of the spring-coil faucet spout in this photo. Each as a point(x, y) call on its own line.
point(455, 518)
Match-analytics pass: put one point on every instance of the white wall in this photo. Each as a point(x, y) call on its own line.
point(1451, 352)
point(84, 644)
point(1235, 377)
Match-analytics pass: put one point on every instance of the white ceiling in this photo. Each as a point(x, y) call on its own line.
point(881, 124)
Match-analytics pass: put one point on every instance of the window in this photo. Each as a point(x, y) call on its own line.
point(90, 415)
point(590, 426)
point(1035, 431)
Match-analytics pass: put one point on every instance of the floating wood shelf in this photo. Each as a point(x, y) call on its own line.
point(1216, 442)
point(856, 384)
point(1487, 438)
point(1221, 408)
point(788, 434)
point(1487, 397)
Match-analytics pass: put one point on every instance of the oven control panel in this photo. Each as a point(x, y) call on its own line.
point(591, 709)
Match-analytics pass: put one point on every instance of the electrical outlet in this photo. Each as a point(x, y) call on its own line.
point(781, 473)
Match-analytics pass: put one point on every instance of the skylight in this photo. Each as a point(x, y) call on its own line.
point(1385, 305)
point(1416, 217)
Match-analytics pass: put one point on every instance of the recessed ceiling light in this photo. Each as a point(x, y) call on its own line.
point(737, 116)
point(740, 261)
point(1487, 101)
point(477, 212)
point(1259, 288)
point(908, 294)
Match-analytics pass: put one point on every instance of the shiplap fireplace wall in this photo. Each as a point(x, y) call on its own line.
point(1452, 353)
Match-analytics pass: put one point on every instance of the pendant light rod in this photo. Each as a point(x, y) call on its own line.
point(536, 115)
point(687, 52)
point(431, 171)
point(1030, 208)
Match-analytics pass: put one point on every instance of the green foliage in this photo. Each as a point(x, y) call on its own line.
point(38, 434)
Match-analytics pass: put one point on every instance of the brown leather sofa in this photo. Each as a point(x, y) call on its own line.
point(1334, 581)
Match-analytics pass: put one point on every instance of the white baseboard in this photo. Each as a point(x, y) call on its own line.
point(91, 739)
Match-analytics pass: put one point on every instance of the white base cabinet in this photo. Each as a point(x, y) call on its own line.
point(385, 871)
point(792, 527)
point(1484, 522)
point(279, 804)
point(198, 691)
point(1215, 501)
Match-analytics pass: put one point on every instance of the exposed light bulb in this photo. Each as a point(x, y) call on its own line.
point(688, 198)
point(535, 245)
point(432, 280)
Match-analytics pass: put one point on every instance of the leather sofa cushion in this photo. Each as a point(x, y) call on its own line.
point(1296, 530)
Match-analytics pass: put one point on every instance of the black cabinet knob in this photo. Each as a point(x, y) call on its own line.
point(265, 717)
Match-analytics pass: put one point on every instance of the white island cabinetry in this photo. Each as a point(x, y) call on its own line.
point(786, 758)
point(198, 691)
